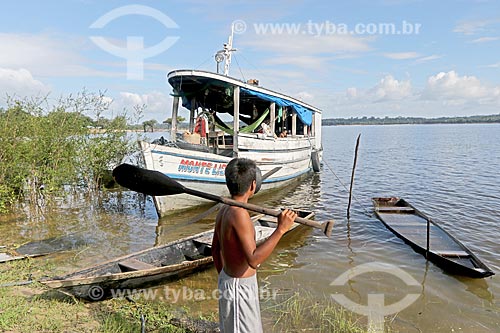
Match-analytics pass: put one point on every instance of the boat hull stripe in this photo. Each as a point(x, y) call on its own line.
point(222, 181)
point(189, 156)
point(289, 150)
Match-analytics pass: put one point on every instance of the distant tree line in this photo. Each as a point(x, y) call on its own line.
point(411, 120)
point(153, 124)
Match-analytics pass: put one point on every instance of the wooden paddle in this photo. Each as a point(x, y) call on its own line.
point(218, 205)
point(157, 184)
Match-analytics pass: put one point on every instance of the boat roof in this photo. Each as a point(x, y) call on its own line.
point(215, 92)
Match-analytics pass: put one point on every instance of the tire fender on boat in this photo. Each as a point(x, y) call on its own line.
point(315, 161)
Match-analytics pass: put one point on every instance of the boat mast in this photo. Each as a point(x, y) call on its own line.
point(228, 48)
point(225, 54)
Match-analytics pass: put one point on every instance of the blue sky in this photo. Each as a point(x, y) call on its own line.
point(349, 58)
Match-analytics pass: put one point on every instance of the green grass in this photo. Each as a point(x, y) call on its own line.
point(301, 312)
point(34, 308)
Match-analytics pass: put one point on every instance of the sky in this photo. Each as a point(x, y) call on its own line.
point(349, 58)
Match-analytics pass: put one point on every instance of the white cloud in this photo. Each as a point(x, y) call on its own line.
point(401, 55)
point(305, 44)
point(158, 104)
point(428, 58)
point(20, 83)
point(451, 86)
point(46, 55)
point(412, 55)
point(351, 93)
point(444, 94)
point(387, 89)
point(305, 96)
point(305, 50)
point(485, 39)
point(305, 61)
point(391, 89)
point(473, 27)
point(497, 65)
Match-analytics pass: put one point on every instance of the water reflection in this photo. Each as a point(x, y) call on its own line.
point(443, 170)
point(479, 288)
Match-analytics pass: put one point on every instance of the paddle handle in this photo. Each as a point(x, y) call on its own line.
point(156, 183)
point(326, 227)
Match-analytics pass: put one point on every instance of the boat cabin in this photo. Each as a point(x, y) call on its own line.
point(255, 112)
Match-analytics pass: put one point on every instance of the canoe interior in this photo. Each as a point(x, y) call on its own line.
point(189, 250)
point(411, 225)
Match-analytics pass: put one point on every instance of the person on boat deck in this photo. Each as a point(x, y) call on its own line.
point(236, 255)
point(266, 129)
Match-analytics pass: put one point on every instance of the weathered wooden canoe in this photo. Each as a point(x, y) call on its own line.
point(406, 222)
point(151, 266)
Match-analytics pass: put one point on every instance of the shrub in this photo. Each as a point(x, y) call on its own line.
point(43, 148)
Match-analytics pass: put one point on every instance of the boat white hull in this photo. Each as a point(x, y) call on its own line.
point(205, 171)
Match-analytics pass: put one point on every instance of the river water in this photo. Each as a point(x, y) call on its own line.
point(450, 172)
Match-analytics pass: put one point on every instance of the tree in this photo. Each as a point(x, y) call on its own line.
point(168, 121)
point(119, 122)
point(149, 124)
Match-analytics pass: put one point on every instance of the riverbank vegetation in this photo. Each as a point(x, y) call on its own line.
point(33, 308)
point(44, 148)
point(301, 312)
point(411, 120)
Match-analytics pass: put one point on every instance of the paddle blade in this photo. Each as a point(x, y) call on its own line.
point(146, 181)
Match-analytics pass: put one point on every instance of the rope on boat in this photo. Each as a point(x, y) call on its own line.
point(365, 211)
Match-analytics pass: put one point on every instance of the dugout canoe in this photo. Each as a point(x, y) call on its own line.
point(444, 250)
point(151, 266)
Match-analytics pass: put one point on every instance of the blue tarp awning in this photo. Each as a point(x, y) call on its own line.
point(305, 115)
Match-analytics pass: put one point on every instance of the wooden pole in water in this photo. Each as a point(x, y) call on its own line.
point(428, 238)
point(352, 176)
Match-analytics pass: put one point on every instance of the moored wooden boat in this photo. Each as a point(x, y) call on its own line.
point(269, 127)
point(447, 252)
point(153, 265)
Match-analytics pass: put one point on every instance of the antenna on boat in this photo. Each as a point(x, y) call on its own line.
point(225, 53)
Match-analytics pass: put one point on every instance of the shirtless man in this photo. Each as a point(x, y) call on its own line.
point(236, 255)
